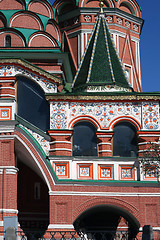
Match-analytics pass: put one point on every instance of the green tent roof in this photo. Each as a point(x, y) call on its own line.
point(101, 67)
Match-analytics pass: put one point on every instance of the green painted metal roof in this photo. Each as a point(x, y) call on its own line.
point(100, 65)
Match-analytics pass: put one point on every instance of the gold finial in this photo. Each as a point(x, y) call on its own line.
point(101, 5)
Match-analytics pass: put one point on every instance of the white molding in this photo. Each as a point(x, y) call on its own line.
point(60, 142)
point(105, 136)
point(5, 210)
point(149, 135)
point(1, 171)
point(144, 143)
point(104, 151)
point(60, 149)
point(7, 95)
point(60, 134)
point(103, 194)
point(40, 34)
point(11, 171)
point(1, 223)
point(146, 150)
point(7, 88)
point(60, 226)
point(6, 137)
point(7, 81)
point(105, 143)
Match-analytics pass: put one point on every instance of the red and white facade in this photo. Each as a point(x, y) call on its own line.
point(40, 179)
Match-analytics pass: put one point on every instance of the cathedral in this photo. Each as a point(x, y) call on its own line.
point(75, 123)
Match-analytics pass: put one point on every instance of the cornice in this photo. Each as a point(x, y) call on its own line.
point(103, 97)
point(31, 68)
point(108, 11)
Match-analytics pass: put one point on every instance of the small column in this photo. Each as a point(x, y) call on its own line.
point(61, 142)
point(104, 144)
point(146, 141)
point(8, 171)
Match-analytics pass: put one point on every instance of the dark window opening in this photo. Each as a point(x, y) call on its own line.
point(32, 105)
point(8, 41)
point(84, 140)
point(124, 140)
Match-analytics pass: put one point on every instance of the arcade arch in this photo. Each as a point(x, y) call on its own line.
point(103, 218)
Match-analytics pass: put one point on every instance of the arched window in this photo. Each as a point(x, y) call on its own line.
point(124, 140)
point(31, 102)
point(84, 140)
point(7, 41)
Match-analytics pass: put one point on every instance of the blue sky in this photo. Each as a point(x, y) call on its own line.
point(150, 45)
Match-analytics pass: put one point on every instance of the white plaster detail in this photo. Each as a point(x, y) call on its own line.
point(104, 194)
point(40, 139)
point(64, 114)
point(87, 18)
point(60, 142)
point(109, 19)
point(60, 149)
point(12, 171)
point(60, 226)
point(105, 143)
point(12, 71)
point(104, 151)
point(150, 115)
point(9, 211)
point(29, 44)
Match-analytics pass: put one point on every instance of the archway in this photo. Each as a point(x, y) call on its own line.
point(32, 193)
point(105, 219)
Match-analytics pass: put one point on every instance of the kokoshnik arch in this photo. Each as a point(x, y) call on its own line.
point(74, 119)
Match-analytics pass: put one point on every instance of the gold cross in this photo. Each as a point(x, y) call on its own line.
point(101, 5)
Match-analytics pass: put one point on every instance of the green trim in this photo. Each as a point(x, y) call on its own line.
point(52, 170)
point(44, 20)
point(32, 127)
point(29, 49)
point(26, 32)
point(34, 140)
point(106, 181)
point(8, 14)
